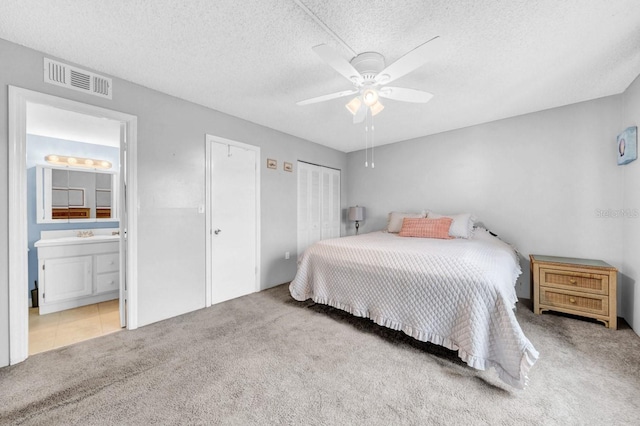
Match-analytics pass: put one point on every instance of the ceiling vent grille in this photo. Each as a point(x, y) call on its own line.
point(77, 79)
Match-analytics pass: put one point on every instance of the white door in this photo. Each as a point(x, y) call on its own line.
point(330, 203)
point(234, 218)
point(309, 213)
point(318, 204)
point(119, 205)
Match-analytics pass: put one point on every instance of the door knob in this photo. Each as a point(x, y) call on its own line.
point(217, 231)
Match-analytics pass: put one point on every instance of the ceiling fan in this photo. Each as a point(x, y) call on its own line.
point(369, 76)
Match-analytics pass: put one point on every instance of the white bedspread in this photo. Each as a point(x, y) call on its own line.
point(455, 293)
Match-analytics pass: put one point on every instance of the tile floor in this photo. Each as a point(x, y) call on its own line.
point(63, 328)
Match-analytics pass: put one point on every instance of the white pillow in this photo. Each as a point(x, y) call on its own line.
point(462, 225)
point(395, 220)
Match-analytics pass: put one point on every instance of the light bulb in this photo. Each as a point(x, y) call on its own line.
point(370, 97)
point(52, 158)
point(71, 160)
point(105, 164)
point(88, 162)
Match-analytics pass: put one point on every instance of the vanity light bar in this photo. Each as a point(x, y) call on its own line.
point(63, 160)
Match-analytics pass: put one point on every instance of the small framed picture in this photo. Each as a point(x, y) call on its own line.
point(288, 167)
point(272, 164)
point(627, 145)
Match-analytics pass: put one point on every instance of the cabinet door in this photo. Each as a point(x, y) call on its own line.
point(67, 278)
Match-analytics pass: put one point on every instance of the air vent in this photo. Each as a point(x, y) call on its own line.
point(74, 78)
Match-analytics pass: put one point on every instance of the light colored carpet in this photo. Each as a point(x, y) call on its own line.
point(266, 359)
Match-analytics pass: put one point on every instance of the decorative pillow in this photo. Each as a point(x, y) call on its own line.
point(462, 226)
point(395, 220)
point(426, 228)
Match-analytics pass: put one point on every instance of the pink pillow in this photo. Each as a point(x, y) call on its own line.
point(426, 228)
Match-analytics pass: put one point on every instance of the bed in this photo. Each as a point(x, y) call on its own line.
point(458, 293)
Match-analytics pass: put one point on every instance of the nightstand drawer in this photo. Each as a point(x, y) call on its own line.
point(575, 301)
point(573, 280)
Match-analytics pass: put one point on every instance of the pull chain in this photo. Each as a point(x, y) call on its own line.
point(368, 123)
point(373, 165)
point(366, 142)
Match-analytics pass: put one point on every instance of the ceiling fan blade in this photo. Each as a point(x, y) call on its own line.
point(338, 63)
point(361, 114)
point(407, 63)
point(405, 95)
point(327, 97)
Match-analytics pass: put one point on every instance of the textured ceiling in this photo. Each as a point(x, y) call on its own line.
point(253, 58)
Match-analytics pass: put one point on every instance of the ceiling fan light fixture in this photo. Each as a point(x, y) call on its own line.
point(354, 105)
point(376, 108)
point(367, 71)
point(370, 97)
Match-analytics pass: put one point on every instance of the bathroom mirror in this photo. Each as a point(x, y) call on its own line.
point(70, 195)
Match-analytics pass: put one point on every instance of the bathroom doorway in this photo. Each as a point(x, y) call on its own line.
point(102, 281)
point(73, 170)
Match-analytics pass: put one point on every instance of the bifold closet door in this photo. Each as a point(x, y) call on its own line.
point(330, 203)
point(309, 206)
point(318, 204)
point(233, 221)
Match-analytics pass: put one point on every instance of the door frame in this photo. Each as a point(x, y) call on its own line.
point(18, 240)
point(209, 211)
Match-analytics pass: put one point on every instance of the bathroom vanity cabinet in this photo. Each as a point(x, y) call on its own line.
point(76, 271)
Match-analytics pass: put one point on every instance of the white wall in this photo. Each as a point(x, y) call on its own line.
point(171, 170)
point(536, 180)
point(630, 274)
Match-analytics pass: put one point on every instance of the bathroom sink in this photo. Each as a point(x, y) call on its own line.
point(76, 240)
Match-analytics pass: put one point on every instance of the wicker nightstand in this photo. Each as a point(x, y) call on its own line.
point(582, 287)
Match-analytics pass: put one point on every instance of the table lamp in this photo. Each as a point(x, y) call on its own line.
point(356, 214)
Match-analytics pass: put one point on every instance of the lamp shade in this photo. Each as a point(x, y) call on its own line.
point(376, 108)
point(356, 213)
point(354, 105)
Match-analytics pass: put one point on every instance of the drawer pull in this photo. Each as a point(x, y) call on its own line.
point(572, 300)
point(572, 281)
